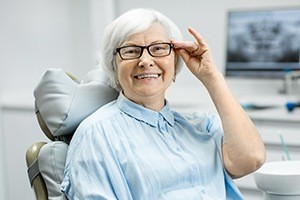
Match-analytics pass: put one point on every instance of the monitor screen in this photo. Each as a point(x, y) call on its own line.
point(262, 43)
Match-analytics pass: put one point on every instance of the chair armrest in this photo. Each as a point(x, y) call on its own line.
point(36, 179)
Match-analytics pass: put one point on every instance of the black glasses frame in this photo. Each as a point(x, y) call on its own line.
point(118, 50)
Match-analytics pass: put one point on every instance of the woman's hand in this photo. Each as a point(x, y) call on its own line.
point(196, 56)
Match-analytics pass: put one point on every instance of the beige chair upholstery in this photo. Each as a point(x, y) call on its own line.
point(38, 182)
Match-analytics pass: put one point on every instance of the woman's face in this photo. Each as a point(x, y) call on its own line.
point(146, 78)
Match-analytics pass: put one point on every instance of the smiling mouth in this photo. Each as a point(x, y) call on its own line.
point(143, 76)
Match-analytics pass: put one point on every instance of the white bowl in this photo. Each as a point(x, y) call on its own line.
point(279, 178)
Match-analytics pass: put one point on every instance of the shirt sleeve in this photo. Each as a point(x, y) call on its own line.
point(92, 171)
point(208, 123)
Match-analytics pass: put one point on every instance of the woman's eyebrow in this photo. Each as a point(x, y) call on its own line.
point(157, 41)
point(129, 43)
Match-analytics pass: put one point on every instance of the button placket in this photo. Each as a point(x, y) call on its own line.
point(162, 126)
point(196, 173)
point(167, 133)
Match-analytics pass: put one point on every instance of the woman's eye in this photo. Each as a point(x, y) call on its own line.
point(158, 48)
point(131, 51)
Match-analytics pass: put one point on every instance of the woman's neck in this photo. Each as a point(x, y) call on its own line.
point(155, 103)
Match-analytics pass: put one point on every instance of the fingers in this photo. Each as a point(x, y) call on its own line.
point(203, 47)
point(196, 55)
point(184, 55)
point(197, 36)
point(188, 46)
point(197, 48)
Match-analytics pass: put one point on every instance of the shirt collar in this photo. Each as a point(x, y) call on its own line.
point(144, 114)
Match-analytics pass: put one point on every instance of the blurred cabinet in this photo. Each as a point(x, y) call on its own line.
point(272, 123)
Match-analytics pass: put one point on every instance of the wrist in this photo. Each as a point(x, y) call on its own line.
point(212, 79)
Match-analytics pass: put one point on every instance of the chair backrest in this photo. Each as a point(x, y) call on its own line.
point(61, 103)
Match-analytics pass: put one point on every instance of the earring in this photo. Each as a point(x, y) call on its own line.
point(174, 79)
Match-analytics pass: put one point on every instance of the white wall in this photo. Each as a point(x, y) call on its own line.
point(3, 177)
point(36, 35)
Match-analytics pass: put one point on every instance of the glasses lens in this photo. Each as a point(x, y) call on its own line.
point(159, 50)
point(130, 52)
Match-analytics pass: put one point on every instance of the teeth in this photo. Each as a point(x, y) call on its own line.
point(147, 76)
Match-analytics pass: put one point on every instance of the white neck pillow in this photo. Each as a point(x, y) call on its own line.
point(63, 103)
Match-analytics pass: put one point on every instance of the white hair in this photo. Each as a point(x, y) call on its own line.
point(132, 22)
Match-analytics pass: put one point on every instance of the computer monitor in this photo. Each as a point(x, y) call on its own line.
point(262, 43)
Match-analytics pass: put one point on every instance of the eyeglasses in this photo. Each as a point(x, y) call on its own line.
point(134, 51)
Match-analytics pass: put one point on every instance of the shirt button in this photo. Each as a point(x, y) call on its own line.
point(162, 127)
point(203, 191)
point(178, 149)
point(195, 167)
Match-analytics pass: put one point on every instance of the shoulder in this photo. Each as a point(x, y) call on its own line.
point(89, 130)
point(107, 111)
point(203, 121)
point(196, 117)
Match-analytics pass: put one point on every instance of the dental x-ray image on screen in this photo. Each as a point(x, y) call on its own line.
point(263, 43)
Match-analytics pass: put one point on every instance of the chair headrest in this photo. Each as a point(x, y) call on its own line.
point(62, 102)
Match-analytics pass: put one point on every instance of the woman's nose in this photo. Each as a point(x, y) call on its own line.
point(146, 60)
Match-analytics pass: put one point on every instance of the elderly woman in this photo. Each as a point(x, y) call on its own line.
point(137, 147)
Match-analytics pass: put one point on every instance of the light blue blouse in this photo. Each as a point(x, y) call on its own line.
point(125, 151)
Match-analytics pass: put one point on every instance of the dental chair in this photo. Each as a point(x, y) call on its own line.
point(61, 103)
